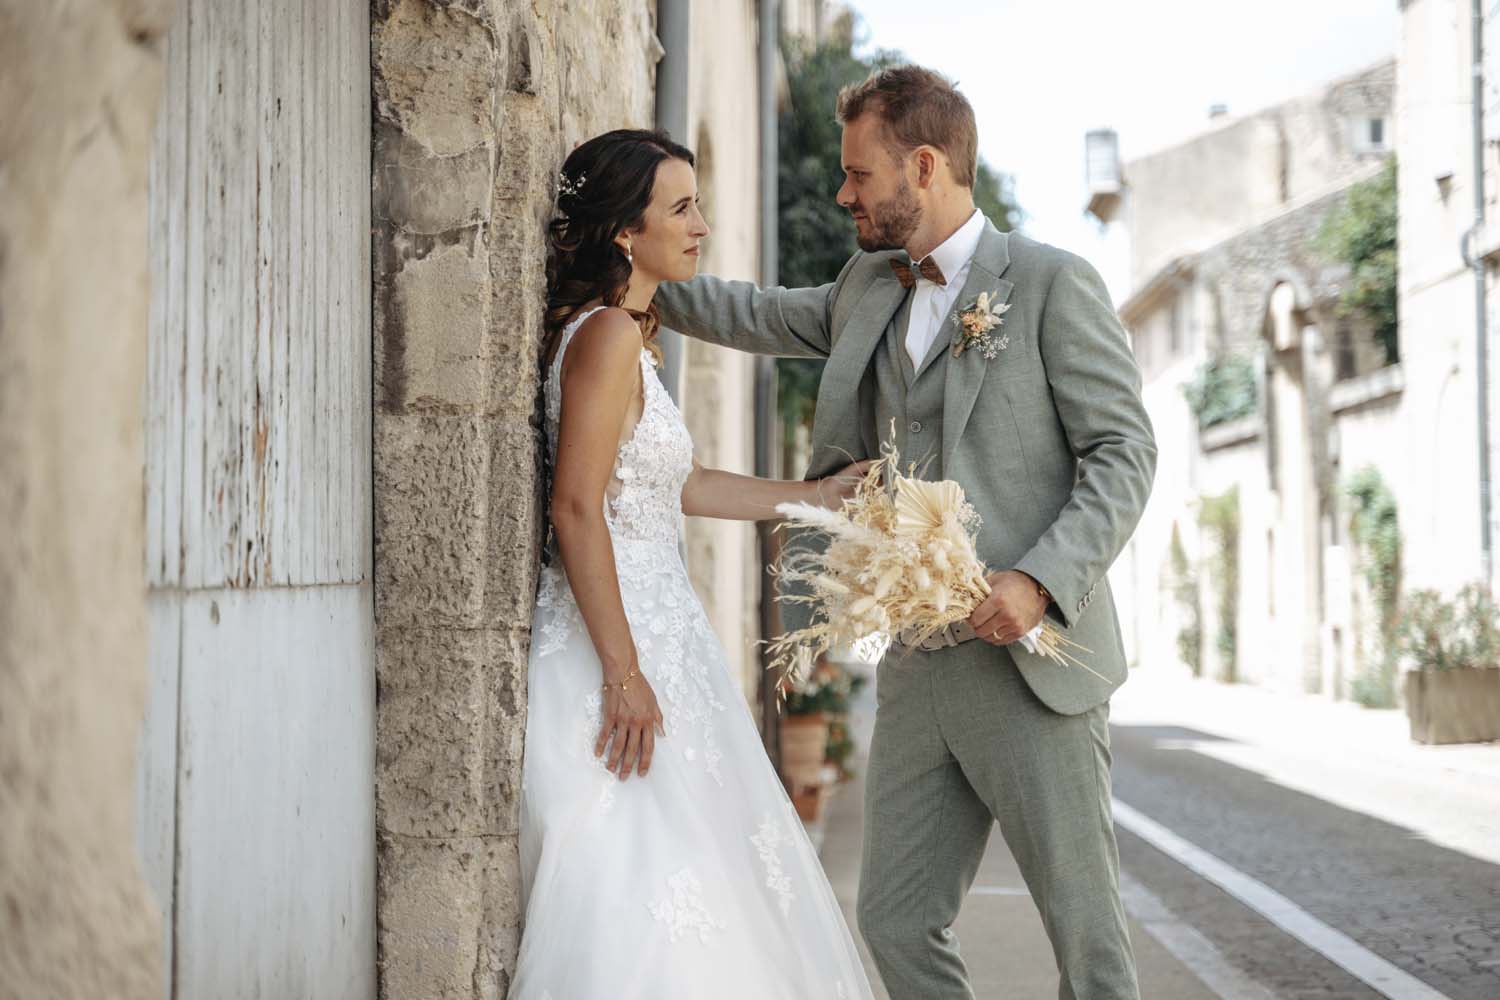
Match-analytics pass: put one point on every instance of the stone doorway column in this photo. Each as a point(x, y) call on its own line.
point(475, 104)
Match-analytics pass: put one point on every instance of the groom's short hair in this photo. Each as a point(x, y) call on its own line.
point(919, 108)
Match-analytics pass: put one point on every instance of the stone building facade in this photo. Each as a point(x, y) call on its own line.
point(472, 105)
point(1224, 266)
point(1435, 146)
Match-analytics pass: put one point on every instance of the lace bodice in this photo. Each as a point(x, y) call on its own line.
point(644, 500)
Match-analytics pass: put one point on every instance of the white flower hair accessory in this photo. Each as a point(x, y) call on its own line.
point(567, 185)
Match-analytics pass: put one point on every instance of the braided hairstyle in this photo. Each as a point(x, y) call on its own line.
point(604, 188)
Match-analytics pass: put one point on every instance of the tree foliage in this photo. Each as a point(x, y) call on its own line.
point(815, 235)
point(1362, 234)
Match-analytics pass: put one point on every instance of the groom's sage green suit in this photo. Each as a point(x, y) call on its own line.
point(1053, 447)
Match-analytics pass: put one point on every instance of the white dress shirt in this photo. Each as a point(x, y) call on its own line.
point(930, 302)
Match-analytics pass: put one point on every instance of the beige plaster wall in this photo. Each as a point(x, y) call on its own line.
point(79, 84)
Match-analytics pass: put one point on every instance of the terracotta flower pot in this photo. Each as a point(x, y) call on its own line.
point(809, 802)
point(803, 741)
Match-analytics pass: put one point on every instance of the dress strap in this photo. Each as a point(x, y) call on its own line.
point(569, 330)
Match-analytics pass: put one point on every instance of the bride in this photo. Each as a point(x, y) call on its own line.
point(660, 856)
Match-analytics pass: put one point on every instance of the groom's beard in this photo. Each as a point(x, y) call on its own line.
point(892, 221)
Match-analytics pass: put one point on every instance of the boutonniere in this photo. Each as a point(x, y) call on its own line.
point(974, 326)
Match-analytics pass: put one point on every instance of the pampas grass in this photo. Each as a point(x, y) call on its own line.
point(900, 555)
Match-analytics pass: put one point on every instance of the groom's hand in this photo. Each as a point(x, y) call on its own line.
point(1015, 606)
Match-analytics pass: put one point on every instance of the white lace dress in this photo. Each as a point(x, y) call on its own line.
point(696, 882)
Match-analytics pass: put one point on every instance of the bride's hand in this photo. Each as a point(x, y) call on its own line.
point(633, 719)
point(835, 489)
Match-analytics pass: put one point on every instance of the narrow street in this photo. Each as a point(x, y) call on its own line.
point(1271, 846)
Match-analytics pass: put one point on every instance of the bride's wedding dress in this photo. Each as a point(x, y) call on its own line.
point(696, 882)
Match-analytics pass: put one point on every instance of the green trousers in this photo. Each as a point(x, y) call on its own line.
point(960, 743)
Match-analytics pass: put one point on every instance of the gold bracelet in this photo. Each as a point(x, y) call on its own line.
point(634, 673)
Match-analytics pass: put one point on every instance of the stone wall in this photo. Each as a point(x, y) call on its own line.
point(1242, 270)
point(476, 102)
point(1244, 170)
point(79, 85)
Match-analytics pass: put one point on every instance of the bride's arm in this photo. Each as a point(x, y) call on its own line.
point(733, 497)
point(600, 373)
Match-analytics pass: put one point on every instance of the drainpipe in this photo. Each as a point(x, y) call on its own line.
point(674, 31)
point(1476, 261)
point(766, 435)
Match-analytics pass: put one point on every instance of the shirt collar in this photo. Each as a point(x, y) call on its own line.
point(954, 253)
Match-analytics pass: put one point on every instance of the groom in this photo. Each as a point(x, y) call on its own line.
point(1040, 419)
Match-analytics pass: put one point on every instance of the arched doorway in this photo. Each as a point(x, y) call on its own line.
point(1290, 659)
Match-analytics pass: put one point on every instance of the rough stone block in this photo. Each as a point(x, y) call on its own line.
point(450, 717)
point(431, 507)
point(448, 926)
point(456, 516)
point(444, 295)
point(422, 192)
point(435, 73)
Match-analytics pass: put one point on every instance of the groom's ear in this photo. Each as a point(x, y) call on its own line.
point(928, 164)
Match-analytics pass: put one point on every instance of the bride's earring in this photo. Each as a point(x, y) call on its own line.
point(629, 257)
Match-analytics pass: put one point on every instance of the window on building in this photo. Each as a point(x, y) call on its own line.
point(1370, 135)
point(1345, 358)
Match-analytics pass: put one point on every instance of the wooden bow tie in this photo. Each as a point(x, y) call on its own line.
point(928, 268)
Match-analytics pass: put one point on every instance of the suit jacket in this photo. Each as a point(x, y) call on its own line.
point(1049, 439)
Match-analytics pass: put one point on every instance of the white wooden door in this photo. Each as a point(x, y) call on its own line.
point(257, 753)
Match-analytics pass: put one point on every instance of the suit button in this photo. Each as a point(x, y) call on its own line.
point(915, 426)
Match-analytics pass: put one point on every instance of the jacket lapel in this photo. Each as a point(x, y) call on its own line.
point(836, 424)
point(965, 373)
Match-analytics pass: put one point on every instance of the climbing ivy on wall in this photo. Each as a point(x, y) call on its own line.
point(1185, 592)
point(1222, 390)
point(1220, 518)
point(1376, 531)
point(1361, 233)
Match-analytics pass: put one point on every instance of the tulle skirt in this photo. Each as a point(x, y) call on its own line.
point(694, 882)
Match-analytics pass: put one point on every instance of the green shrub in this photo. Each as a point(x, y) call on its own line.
point(1223, 389)
point(1185, 593)
point(1376, 531)
point(1434, 634)
point(1220, 517)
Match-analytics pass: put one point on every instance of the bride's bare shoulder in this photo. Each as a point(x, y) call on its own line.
point(607, 342)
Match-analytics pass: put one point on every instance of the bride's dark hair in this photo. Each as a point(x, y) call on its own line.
point(604, 188)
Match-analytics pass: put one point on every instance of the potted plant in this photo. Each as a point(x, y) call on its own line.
point(810, 713)
point(1453, 692)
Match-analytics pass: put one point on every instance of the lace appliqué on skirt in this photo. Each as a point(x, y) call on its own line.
point(682, 909)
